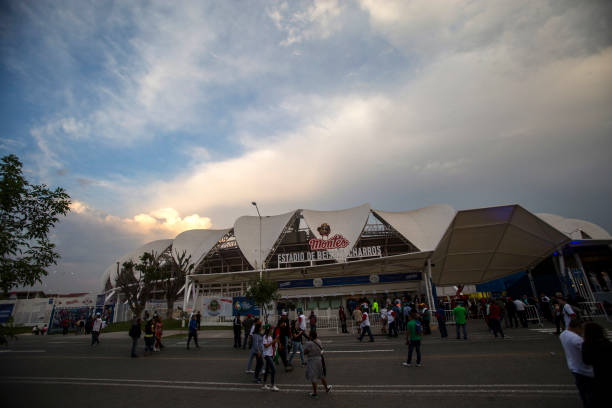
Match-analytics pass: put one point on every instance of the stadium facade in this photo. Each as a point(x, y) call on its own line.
point(321, 259)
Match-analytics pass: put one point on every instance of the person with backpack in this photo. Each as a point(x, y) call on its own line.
point(135, 333)
point(414, 331)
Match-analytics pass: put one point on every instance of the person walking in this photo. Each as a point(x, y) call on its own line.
point(193, 331)
point(296, 342)
point(441, 317)
point(597, 352)
point(583, 373)
point(149, 338)
point(315, 364)
point(237, 325)
point(96, 329)
point(426, 313)
point(198, 319)
point(342, 318)
point(253, 354)
point(159, 331)
point(365, 325)
point(257, 350)
point(383, 320)
point(494, 319)
point(247, 324)
point(460, 319)
point(284, 333)
point(414, 331)
point(566, 311)
point(135, 333)
point(392, 323)
point(521, 312)
point(312, 320)
point(511, 314)
point(268, 353)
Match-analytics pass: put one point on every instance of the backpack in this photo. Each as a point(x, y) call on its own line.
point(418, 328)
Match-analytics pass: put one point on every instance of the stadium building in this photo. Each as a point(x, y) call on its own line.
point(322, 259)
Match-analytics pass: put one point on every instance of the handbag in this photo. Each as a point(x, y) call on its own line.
point(322, 360)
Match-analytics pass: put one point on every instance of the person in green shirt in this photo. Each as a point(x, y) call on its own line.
point(460, 315)
point(414, 330)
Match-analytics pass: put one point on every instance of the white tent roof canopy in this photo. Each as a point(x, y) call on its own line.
point(575, 228)
point(158, 247)
point(196, 243)
point(348, 223)
point(489, 243)
point(246, 231)
point(423, 227)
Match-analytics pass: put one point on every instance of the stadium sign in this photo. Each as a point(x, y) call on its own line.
point(314, 256)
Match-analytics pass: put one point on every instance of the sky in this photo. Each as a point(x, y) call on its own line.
point(158, 117)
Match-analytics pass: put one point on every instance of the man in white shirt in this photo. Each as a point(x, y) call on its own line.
point(567, 312)
point(520, 311)
point(95, 331)
point(365, 325)
point(302, 321)
point(392, 323)
point(583, 373)
point(383, 320)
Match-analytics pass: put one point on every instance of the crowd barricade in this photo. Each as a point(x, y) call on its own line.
point(450, 316)
point(591, 310)
point(216, 320)
point(533, 315)
point(325, 322)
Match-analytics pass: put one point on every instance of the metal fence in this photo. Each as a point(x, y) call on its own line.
point(592, 310)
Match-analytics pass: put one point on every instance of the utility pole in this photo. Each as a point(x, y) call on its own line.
point(260, 265)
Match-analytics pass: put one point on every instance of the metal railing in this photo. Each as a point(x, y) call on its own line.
point(593, 309)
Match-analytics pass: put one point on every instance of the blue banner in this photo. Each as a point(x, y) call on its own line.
point(242, 306)
point(350, 280)
point(5, 311)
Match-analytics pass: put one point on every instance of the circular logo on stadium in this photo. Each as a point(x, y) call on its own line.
point(374, 278)
point(324, 229)
point(317, 282)
point(213, 306)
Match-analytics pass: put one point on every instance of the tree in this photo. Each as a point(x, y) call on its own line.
point(263, 292)
point(136, 281)
point(172, 277)
point(27, 214)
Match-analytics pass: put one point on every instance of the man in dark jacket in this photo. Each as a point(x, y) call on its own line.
point(237, 327)
point(135, 332)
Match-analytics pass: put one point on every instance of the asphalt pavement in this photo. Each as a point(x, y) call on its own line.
point(526, 369)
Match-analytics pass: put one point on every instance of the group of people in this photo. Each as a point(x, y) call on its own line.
point(153, 332)
point(268, 344)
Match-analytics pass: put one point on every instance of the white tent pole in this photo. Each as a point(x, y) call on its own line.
point(532, 283)
point(429, 281)
point(186, 298)
point(585, 278)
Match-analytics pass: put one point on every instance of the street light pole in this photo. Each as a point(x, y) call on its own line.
point(259, 214)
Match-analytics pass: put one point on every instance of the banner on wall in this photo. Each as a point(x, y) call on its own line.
point(5, 311)
point(88, 300)
point(216, 306)
point(243, 306)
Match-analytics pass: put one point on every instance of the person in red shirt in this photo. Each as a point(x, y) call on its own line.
point(494, 319)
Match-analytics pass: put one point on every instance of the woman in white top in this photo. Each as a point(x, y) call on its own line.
point(268, 353)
